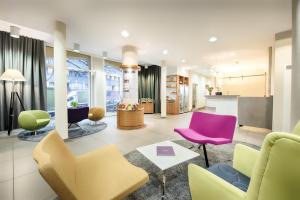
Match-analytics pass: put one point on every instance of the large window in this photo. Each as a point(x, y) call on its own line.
point(78, 81)
point(114, 77)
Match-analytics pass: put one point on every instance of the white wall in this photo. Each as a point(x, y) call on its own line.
point(182, 71)
point(282, 85)
point(171, 70)
point(201, 90)
point(248, 86)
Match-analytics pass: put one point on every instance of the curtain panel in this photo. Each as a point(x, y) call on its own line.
point(149, 84)
point(28, 56)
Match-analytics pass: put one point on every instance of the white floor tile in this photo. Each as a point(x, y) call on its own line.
point(32, 187)
point(6, 190)
point(6, 170)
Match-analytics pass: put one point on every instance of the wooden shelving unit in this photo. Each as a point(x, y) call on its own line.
point(173, 92)
point(148, 107)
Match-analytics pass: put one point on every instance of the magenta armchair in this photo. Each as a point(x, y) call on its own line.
point(206, 128)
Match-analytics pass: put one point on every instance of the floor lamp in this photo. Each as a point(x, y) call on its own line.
point(13, 76)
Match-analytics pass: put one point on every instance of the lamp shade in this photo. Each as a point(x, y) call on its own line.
point(12, 75)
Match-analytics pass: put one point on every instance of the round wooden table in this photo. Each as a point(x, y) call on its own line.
point(130, 119)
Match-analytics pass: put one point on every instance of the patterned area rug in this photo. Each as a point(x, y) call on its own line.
point(176, 178)
point(86, 128)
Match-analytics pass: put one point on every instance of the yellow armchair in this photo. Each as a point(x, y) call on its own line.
point(98, 175)
point(96, 114)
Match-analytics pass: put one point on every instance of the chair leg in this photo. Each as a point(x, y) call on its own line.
point(205, 155)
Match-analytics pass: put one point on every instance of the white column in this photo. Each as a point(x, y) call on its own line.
point(190, 91)
point(163, 90)
point(130, 87)
point(295, 94)
point(60, 79)
point(282, 85)
point(98, 82)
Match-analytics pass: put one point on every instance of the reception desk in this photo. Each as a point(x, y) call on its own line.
point(223, 104)
point(250, 111)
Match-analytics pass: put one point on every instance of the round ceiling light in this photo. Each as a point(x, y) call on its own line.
point(183, 60)
point(165, 52)
point(213, 39)
point(125, 34)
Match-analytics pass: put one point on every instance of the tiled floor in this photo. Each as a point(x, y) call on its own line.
point(20, 180)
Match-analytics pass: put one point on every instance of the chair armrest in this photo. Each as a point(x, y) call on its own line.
point(244, 159)
point(205, 185)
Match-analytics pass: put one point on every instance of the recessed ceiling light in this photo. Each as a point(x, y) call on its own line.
point(76, 47)
point(165, 52)
point(14, 31)
point(125, 33)
point(213, 39)
point(183, 61)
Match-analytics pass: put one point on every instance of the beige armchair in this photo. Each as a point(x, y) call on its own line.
point(98, 175)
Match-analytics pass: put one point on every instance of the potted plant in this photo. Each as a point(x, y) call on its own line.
point(74, 104)
point(209, 89)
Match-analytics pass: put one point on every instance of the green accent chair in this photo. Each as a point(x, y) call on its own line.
point(33, 120)
point(296, 129)
point(274, 172)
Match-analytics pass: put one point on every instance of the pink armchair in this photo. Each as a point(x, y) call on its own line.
point(206, 128)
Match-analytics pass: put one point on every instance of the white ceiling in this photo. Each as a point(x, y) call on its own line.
point(245, 28)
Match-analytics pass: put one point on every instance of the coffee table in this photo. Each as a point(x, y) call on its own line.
point(182, 154)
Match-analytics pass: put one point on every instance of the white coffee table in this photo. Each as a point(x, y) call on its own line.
point(182, 154)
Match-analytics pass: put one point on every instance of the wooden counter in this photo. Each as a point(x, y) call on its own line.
point(130, 119)
point(148, 107)
point(172, 107)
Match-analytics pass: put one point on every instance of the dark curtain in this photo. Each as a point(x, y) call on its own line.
point(149, 84)
point(28, 56)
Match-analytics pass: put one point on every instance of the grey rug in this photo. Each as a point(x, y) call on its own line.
point(86, 128)
point(176, 178)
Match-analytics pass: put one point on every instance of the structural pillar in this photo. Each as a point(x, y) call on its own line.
point(163, 90)
point(295, 95)
point(60, 79)
point(98, 83)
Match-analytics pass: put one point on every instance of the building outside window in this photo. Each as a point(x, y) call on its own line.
point(114, 77)
point(78, 80)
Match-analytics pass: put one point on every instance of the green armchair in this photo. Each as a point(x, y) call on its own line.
point(33, 120)
point(274, 172)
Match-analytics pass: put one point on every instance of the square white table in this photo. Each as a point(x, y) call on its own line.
point(182, 154)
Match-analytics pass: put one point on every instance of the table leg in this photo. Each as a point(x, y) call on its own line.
point(164, 187)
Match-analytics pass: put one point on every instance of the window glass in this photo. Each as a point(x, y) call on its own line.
point(114, 77)
point(78, 80)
